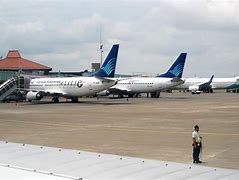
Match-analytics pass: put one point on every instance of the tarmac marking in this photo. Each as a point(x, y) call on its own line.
point(216, 154)
point(117, 128)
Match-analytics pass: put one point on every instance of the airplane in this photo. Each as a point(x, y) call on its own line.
point(197, 88)
point(153, 85)
point(74, 87)
point(196, 85)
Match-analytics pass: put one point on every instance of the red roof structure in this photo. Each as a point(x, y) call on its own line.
point(14, 61)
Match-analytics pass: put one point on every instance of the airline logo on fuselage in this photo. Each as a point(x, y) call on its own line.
point(79, 84)
point(52, 83)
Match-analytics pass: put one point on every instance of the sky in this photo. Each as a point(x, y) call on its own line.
point(65, 34)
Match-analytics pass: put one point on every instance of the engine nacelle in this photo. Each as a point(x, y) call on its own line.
point(194, 89)
point(34, 96)
point(103, 93)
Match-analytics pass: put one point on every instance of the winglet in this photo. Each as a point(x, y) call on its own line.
point(176, 69)
point(109, 65)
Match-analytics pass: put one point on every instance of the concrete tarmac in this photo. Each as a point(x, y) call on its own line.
point(141, 127)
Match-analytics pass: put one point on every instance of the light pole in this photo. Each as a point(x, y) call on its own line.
point(101, 46)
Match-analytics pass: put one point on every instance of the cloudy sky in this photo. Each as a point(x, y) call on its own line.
point(64, 34)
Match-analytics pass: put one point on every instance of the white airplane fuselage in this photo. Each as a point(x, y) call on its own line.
point(217, 83)
point(146, 84)
point(71, 86)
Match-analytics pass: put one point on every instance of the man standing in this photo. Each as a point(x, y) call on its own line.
point(197, 144)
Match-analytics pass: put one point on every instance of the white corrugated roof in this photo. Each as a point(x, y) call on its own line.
point(7, 173)
point(48, 162)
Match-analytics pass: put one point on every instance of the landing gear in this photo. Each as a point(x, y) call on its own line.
point(133, 95)
point(155, 94)
point(208, 91)
point(196, 92)
point(55, 100)
point(130, 95)
point(74, 99)
point(120, 95)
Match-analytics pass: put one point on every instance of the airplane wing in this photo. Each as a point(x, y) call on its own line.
point(35, 94)
point(206, 85)
point(46, 92)
point(178, 80)
point(118, 91)
point(104, 79)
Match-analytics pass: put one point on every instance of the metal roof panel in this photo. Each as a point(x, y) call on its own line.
point(89, 165)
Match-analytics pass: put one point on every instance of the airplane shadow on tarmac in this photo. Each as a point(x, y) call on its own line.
point(108, 100)
point(95, 102)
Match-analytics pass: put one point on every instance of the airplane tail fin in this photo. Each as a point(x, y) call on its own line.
point(109, 65)
point(176, 69)
point(210, 81)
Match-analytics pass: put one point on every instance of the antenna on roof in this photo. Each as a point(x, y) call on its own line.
point(101, 45)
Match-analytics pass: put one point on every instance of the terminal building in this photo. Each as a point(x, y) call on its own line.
point(14, 65)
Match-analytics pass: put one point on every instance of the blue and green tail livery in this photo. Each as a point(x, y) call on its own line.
point(109, 65)
point(176, 69)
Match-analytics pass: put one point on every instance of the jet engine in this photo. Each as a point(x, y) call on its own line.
point(194, 89)
point(34, 96)
point(103, 93)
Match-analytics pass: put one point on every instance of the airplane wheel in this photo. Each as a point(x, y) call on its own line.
point(155, 94)
point(55, 99)
point(74, 99)
point(120, 96)
point(152, 95)
point(131, 95)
